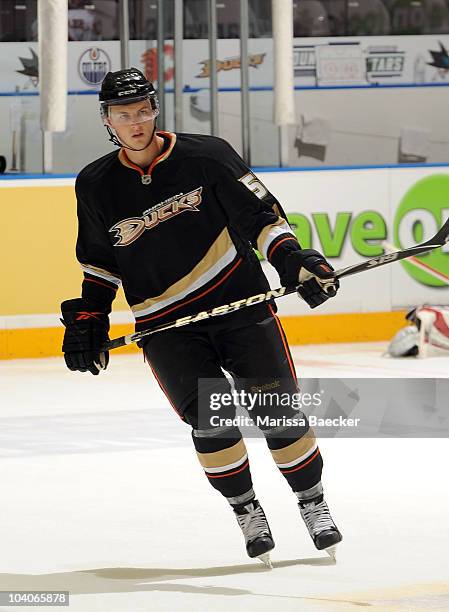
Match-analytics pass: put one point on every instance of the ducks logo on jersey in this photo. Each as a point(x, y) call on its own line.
point(129, 230)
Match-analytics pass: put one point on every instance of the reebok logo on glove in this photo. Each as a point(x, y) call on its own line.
point(85, 333)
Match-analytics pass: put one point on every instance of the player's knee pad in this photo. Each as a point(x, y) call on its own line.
point(215, 439)
point(284, 421)
point(208, 438)
point(204, 428)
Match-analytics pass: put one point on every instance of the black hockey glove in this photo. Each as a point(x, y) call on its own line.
point(315, 273)
point(86, 330)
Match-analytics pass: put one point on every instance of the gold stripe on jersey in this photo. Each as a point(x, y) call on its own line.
point(296, 451)
point(224, 459)
point(165, 154)
point(220, 254)
point(101, 273)
point(270, 232)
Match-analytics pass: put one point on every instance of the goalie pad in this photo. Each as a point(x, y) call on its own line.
point(434, 330)
point(405, 343)
point(428, 336)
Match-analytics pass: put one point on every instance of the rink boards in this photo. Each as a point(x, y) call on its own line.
point(348, 214)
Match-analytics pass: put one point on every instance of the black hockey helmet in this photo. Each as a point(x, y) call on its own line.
point(124, 87)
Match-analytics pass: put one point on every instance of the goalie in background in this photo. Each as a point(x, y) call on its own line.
point(427, 336)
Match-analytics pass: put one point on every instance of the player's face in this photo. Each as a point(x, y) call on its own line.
point(133, 122)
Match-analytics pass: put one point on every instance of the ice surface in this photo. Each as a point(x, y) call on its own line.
point(102, 495)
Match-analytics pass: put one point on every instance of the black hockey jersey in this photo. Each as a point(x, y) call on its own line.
point(180, 235)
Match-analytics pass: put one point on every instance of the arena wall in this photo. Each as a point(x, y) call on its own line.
point(347, 214)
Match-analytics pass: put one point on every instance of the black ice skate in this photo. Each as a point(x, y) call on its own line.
point(322, 528)
point(255, 528)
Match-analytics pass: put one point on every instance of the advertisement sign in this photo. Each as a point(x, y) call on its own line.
point(347, 215)
point(318, 62)
point(370, 60)
point(353, 215)
point(420, 207)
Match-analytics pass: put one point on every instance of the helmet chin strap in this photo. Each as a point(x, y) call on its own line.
point(115, 140)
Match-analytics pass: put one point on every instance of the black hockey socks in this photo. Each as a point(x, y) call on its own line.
point(226, 465)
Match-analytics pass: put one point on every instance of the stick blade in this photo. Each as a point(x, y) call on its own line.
point(442, 237)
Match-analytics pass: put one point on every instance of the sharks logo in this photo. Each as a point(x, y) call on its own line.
point(30, 67)
point(440, 59)
point(129, 230)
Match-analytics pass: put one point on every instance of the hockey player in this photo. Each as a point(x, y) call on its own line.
point(176, 219)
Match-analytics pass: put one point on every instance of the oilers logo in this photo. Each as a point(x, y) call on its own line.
point(93, 65)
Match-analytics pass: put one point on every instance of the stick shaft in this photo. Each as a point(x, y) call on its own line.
point(441, 238)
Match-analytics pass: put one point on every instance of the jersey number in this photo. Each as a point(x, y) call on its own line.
point(254, 185)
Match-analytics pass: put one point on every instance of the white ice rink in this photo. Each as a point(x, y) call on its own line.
point(101, 495)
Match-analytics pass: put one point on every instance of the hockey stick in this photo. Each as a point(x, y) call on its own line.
point(420, 264)
point(439, 240)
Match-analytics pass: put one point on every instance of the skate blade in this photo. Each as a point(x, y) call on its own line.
point(332, 552)
point(265, 558)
